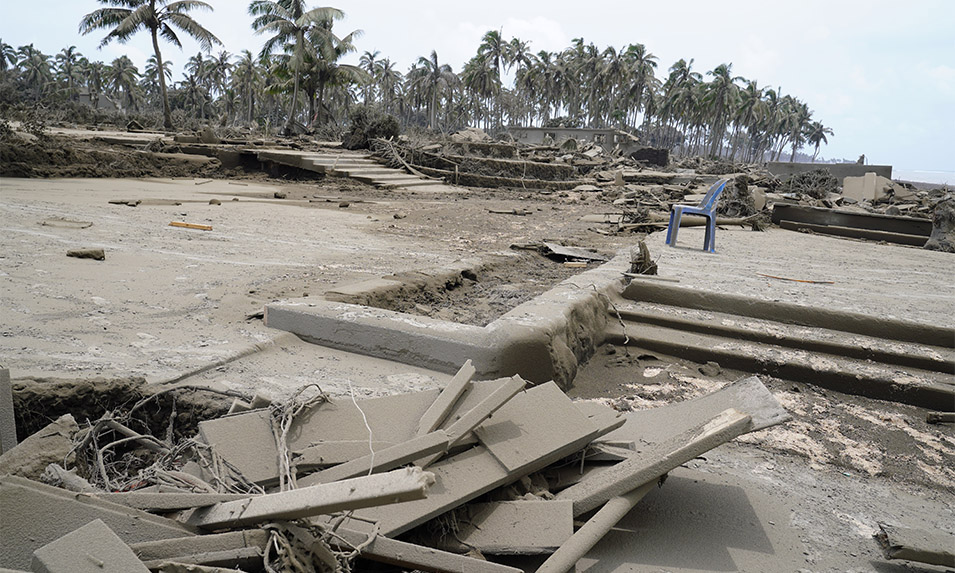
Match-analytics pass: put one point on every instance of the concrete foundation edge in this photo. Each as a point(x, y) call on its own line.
point(543, 339)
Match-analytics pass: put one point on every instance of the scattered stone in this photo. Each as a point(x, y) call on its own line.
point(279, 195)
point(343, 205)
point(51, 445)
point(710, 369)
point(215, 202)
point(943, 228)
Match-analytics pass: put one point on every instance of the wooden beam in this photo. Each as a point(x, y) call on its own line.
point(654, 461)
point(439, 410)
point(410, 556)
point(381, 489)
point(567, 556)
point(190, 226)
point(384, 460)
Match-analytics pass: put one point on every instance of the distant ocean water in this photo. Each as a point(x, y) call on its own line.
point(925, 176)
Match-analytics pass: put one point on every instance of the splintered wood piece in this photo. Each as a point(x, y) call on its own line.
point(442, 405)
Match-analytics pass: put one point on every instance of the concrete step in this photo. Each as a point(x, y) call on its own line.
point(926, 388)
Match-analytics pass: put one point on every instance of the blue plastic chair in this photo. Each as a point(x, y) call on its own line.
point(706, 208)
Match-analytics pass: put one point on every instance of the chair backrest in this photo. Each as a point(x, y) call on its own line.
point(713, 194)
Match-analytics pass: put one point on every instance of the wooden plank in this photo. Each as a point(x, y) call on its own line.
point(245, 440)
point(93, 548)
point(932, 547)
point(527, 423)
point(410, 556)
point(333, 452)
point(513, 528)
point(567, 556)
point(392, 419)
point(465, 476)
point(439, 410)
point(653, 461)
point(481, 412)
point(170, 501)
point(393, 487)
point(190, 226)
point(384, 460)
point(176, 549)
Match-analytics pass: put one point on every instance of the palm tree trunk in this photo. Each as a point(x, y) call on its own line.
point(166, 112)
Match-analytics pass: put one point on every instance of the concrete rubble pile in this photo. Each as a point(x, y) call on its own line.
point(466, 478)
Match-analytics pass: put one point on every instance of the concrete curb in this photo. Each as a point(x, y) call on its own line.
point(543, 339)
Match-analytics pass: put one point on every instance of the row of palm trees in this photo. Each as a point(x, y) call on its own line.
point(298, 79)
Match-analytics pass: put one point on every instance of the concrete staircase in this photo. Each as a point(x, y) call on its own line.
point(917, 373)
point(356, 165)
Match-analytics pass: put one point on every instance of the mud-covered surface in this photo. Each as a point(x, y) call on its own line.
point(483, 297)
point(39, 401)
point(58, 156)
point(830, 430)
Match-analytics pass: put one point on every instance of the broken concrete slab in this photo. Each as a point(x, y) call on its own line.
point(50, 445)
point(411, 556)
point(476, 416)
point(514, 527)
point(406, 484)
point(93, 548)
point(8, 422)
point(325, 454)
point(932, 547)
point(22, 500)
point(652, 462)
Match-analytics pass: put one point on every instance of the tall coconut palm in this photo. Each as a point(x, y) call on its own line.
point(323, 68)
point(35, 69)
point(369, 63)
point(432, 78)
point(8, 57)
point(150, 80)
point(817, 136)
point(161, 18)
point(245, 78)
point(288, 21)
point(67, 69)
point(122, 77)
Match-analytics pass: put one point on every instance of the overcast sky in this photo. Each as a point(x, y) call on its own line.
point(880, 73)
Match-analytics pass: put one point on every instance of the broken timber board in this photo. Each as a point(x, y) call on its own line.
point(931, 547)
point(463, 477)
point(515, 527)
point(567, 556)
point(180, 550)
point(93, 548)
point(331, 453)
point(652, 462)
point(527, 423)
point(375, 490)
point(477, 415)
point(21, 500)
point(384, 460)
point(439, 410)
point(164, 502)
point(246, 441)
point(410, 556)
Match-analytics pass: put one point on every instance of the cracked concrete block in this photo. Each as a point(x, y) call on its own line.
point(50, 445)
point(232, 549)
point(35, 514)
point(93, 548)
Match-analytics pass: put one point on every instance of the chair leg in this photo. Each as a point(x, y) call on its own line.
point(709, 243)
point(674, 228)
point(670, 227)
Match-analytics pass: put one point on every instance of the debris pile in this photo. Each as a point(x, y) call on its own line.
point(456, 479)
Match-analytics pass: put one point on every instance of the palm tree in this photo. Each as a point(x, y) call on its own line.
point(720, 94)
point(150, 80)
point(160, 18)
point(34, 69)
point(122, 77)
point(323, 69)
point(817, 136)
point(245, 78)
point(8, 57)
point(288, 21)
point(432, 78)
point(369, 63)
point(67, 69)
